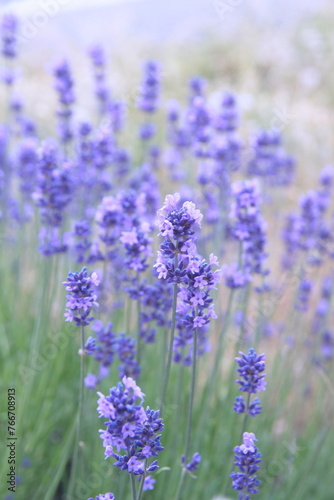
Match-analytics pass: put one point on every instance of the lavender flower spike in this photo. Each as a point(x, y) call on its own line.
point(193, 464)
point(132, 434)
point(9, 25)
point(251, 368)
point(247, 457)
point(81, 297)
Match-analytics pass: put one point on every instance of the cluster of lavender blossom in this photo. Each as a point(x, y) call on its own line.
point(247, 457)
point(131, 428)
point(179, 263)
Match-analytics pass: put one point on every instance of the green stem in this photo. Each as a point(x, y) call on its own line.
point(77, 444)
point(140, 492)
point(133, 487)
point(190, 413)
point(221, 339)
point(244, 312)
point(245, 417)
point(241, 435)
point(180, 485)
point(170, 350)
point(259, 319)
point(211, 384)
point(192, 394)
point(138, 333)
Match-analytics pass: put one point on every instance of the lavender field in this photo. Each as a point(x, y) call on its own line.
point(167, 233)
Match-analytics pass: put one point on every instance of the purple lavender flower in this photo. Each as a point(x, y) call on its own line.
point(178, 262)
point(130, 428)
point(116, 113)
point(105, 344)
point(194, 301)
point(197, 86)
point(81, 297)
point(177, 227)
point(327, 345)
point(235, 277)
point(149, 483)
point(323, 305)
point(105, 348)
point(101, 91)
point(249, 226)
point(193, 464)
point(91, 381)
point(156, 303)
point(126, 351)
point(121, 162)
point(304, 293)
point(81, 236)
point(198, 121)
point(105, 496)
point(109, 218)
point(269, 160)
point(251, 368)
point(148, 100)
point(227, 119)
point(53, 193)
point(247, 457)
point(254, 407)
point(26, 162)
point(137, 246)
point(308, 231)
point(147, 131)
point(9, 25)
point(90, 345)
point(64, 87)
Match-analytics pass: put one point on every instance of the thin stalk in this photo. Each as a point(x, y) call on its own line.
point(138, 324)
point(179, 412)
point(180, 485)
point(192, 394)
point(164, 345)
point(179, 394)
point(220, 346)
point(170, 350)
point(133, 487)
point(190, 413)
point(140, 492)
point(245, 417)
point(77, 444)
point(244, 312)
point(133, 484)
point(259, 319)
point(240, 439)
point(207, 394)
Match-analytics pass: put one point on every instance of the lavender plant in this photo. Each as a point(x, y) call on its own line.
point(81, 299)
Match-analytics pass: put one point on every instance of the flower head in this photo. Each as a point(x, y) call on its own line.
point(251, 368)
point(132, 434)
point(247, 457)
point(81, 297)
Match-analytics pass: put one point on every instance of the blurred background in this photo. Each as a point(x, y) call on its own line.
point(276, 55)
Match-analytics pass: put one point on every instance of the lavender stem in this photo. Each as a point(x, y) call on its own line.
point(190, 413)
point(170, 350)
